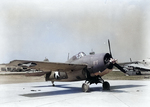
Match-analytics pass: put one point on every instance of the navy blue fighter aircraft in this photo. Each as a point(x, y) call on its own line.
point(79, 67)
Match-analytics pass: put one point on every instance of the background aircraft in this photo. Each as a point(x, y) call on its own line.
point(136, 67)
point(79, 67)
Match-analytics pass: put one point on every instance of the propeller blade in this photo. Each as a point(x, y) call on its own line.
point(109, 47)
point(119, 67)
point(130, 60)
point(115, 64)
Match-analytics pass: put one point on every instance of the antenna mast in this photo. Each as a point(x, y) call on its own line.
point(68, 56)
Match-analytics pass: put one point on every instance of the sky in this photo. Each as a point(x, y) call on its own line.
point(35, 29)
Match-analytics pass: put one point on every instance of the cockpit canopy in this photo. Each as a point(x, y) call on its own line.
point(78, 56)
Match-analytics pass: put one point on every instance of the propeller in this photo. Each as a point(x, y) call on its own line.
point(130, 60)
point(109, 47)
point(113, 61)
point(120, 68)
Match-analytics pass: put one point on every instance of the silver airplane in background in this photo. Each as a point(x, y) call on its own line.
point(136, 67)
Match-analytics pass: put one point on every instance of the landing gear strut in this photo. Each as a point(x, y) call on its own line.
point(96, 80)
point(53, 83)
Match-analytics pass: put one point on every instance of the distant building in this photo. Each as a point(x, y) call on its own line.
point(46, 60)
point(6, 68)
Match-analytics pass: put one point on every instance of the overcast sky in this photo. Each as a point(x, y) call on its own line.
point(35, 29)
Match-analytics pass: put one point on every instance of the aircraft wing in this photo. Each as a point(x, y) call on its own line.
point(47, 66)
point(125, 63)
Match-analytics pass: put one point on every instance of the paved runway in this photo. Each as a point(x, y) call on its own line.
point(123, 93)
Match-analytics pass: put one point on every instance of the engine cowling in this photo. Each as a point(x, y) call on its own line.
point(100, 62)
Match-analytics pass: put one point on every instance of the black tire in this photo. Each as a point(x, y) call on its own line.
point(138, 73)
point(106, 86)
point(85, 87)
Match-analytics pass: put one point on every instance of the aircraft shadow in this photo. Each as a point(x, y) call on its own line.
point(67, 90)
point(117, 88)
point(125, 86)
point(61, 86)
point(72, 90)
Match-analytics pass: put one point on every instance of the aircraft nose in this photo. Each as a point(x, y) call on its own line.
point(107, 58)
point(108, 61)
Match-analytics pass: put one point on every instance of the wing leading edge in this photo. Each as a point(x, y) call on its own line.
point(47, 66)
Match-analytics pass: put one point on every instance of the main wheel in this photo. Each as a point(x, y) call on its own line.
point(138, 73)
point(106, 86)
point(85, 87)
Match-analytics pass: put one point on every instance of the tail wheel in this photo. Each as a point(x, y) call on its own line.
point(106, 86)
point(85, 87)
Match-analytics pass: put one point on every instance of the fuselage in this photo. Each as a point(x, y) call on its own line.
point(97, 64)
